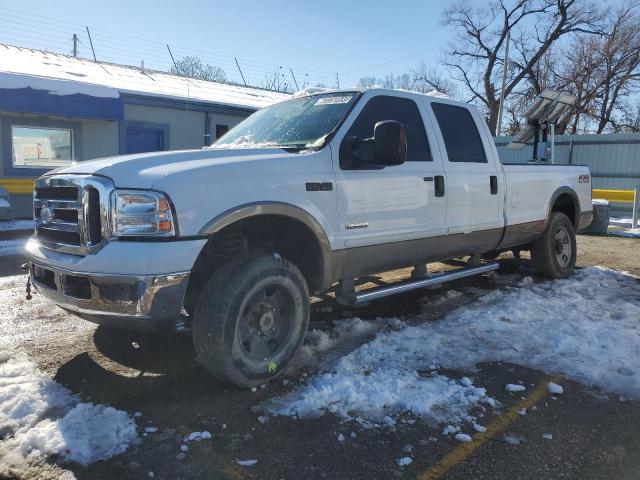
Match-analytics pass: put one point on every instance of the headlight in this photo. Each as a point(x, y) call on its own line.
point(141, 213)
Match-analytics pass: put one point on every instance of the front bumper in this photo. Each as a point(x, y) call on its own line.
point(139, 302)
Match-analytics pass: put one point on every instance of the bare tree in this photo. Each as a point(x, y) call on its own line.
point(368, 82)
point(536, 25)
point(422, 80)
point(428, 79)
point(193, 67)
point(602, 71)
point(620, 53)
point(276, 81)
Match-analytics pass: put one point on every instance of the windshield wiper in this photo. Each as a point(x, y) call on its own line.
point(293, 147)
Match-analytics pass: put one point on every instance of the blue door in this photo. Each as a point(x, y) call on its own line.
point(141, 139)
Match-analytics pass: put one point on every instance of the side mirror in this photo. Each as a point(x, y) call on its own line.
point(389, 143)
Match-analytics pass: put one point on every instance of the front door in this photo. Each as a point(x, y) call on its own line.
point(396, 203)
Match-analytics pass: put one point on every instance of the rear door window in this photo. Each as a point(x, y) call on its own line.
point(460, 134)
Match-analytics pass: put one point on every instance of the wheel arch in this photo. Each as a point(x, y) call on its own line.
point(564, 200)
point(314, 257)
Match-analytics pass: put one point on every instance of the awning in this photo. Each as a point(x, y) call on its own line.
point(46, 96)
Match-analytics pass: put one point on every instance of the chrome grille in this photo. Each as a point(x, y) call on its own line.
point(71, 212)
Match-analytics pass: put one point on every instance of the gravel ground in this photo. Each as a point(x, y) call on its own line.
point(594, 434)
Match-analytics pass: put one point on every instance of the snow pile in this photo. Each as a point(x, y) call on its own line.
point(312, 91)
point(511, 387)
point(12, 247)
point(624, 228)
point(555, 389)
point(344, 331)
point(587, 327)
point(374, 387)
point(12, 225)
point(39, 418)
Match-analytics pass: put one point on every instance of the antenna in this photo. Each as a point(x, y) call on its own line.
point(91, 43)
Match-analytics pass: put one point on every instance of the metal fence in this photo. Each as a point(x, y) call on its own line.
point(614, 160)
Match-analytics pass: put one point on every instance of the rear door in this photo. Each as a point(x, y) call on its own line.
point(395, 203)
point(474, 183)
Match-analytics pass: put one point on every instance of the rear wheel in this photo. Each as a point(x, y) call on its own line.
point(251, 319)
point(554, 254)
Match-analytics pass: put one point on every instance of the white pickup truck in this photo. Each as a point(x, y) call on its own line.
point(321, 189)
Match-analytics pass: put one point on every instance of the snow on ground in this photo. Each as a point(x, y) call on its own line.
point(345, 333)
point(9, 225)
point(34, 320)
point(12, 247)
point(40, 418)
point(586, 327)
point(624, 228)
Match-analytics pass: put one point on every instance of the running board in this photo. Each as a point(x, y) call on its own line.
point(358, 298)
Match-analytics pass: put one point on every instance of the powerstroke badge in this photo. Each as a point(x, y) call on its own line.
point(583, 179)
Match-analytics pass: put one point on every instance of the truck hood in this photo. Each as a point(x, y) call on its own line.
point(143, 170)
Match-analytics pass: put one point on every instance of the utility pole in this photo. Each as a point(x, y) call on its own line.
point(338, 81)
point(75, 45)
point(91, 43)
point(505, 68)
point(240, 70)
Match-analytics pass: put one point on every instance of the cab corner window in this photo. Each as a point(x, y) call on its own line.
point(403, 110)
point(460, 133)
point(38, 147)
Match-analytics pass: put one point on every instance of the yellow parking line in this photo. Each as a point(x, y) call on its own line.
point(497, 425)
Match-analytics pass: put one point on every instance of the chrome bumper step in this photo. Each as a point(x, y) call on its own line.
point(358, 298)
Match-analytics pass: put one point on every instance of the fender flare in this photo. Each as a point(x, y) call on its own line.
point(574, 198)
point(283, 209)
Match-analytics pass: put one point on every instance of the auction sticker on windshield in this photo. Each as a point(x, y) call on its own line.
point(335, 100)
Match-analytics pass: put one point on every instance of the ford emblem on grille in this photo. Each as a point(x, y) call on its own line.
point(46, 215)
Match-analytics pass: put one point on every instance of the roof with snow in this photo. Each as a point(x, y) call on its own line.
point(67, 75)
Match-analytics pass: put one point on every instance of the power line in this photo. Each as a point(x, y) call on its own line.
point(110, 38)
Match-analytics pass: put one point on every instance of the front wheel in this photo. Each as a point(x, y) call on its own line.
point(554, 254)
point(251, 319)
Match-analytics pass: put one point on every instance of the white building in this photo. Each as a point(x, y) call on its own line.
point(57, 109)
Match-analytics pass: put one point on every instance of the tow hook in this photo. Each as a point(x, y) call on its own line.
point(24, 267)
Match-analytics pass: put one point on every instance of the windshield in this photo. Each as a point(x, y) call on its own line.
point(302, 122)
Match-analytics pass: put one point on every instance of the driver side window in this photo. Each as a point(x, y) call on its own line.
point(403, 110)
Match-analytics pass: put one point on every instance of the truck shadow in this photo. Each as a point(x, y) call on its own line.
point(128, 367)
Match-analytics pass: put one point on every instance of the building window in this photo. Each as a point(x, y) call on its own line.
point(39, 147)
point(221, 130)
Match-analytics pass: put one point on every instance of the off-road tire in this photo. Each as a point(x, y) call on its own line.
point(546, 255)
point(216, 323)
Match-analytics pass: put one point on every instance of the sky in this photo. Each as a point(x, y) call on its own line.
point(317, 39)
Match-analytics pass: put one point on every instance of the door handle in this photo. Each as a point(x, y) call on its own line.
point(493, 183)
point(439, 185)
